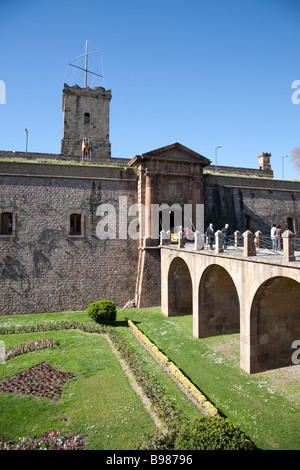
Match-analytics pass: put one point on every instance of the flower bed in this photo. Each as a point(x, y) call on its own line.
point(55, 440)
point(41, 380)
point(177, 374)
point(24, 348)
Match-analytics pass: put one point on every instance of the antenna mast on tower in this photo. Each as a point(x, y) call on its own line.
point(86, 63)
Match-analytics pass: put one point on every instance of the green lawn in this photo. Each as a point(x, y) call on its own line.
point(97, 402)
point(268, 415)
point(101, 404)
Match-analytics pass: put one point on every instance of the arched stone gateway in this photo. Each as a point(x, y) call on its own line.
point(219, 309)
point(180, 292)
point(275, 323)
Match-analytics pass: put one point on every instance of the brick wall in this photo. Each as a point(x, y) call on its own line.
point(42, 268)
point(230, 199)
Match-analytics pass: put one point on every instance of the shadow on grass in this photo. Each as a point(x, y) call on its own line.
point(120, 323)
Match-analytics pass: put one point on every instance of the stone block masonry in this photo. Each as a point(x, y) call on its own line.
point(251, 203)
point(45, 269)
point(86, 116)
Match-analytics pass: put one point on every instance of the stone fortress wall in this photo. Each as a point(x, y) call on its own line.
point(44, 268)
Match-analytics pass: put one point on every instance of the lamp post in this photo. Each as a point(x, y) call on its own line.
point(216, 166)
point(286, 156)
point(26, 130)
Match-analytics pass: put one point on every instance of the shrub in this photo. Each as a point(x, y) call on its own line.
point(212, 433)
point(103, 311)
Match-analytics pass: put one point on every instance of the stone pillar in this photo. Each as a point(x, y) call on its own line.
point(162, 239)
point(219, 242)
point(288, 246)
point(199, 243)
point(148, 200)
point(180, 239)
point(237, 236)
point(168, 236)
point(249, 247)
point(257, 239)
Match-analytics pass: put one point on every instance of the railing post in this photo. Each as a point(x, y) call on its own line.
point(249, 247)
point(168, 236)
point(199, 243)
point(257, 239)
point(237, 236)
point(180, 239)
point(162, 237)
point(219, 242)
point(288, 246)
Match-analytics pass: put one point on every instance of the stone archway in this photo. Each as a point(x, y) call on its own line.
point(180, 290)
point(219, 307)
point(274, 323)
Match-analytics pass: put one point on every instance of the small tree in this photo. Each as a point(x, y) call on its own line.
point(103, 311)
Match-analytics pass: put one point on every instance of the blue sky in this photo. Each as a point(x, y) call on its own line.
point(202, 73)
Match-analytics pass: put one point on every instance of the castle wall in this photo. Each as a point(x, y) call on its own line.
point(45, 269)
point(42, 267)
point(258, 202)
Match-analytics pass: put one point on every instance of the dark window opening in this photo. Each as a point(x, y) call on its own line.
point(6, 223)
point(247, 222)
point(87, 118)
point(169, 219)
point(75, 224)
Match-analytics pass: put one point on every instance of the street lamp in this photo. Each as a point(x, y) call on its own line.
point(26, 130)
point(216, 166)
point(286, 156)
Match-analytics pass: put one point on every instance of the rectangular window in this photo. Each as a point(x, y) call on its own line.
point(75, 224)
point(6, 223)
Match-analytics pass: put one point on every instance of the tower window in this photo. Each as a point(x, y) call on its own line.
point(6, 223)
point(75, 224)
point(87, 118)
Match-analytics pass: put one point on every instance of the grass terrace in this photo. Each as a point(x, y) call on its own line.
point(55, 161)
point(99, 401)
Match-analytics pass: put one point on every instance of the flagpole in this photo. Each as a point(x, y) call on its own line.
point(85, 69)
point(86, 59)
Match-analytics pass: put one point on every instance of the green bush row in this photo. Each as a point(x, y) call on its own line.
point(52, 325)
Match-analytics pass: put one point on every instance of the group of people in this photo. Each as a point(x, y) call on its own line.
point(276, 232)
point(210, 234)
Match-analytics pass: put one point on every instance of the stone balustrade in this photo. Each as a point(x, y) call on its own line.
point(247, 241)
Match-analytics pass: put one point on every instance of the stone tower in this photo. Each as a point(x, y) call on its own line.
point(264, 161)
point(86, 117)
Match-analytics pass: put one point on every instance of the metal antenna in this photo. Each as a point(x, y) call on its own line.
point(86, 63)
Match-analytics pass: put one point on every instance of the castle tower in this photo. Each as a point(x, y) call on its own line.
point(86, 119)
point(264, 161)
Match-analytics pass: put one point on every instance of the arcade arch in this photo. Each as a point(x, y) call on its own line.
point(180, 290)
point(219, 308)
point(274, 323)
